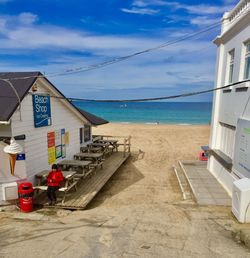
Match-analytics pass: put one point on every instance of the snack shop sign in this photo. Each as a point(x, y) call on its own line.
point(41, 110)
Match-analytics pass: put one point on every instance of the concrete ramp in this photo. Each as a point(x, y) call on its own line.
point(205, 187)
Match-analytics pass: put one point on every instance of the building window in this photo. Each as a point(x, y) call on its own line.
point(81, 135)
point(231, 66)
point(247, 62)
point(226, 141)
point(87, 133)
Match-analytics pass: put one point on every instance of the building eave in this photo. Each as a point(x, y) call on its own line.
point(235, 28)
point(217, 41)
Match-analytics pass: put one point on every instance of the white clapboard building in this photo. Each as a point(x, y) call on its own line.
point(47, 126)
point(230, 129)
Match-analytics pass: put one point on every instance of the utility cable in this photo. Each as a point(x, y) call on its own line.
point(152, 99)
point(119, 59)
point(17, 96)
point(122, 58)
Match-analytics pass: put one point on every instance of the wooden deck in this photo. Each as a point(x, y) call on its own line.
point(88, 187)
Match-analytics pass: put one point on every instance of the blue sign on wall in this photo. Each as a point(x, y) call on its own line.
point(20, 156)
point(41, 110)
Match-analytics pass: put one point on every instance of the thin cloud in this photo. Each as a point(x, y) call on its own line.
point(142, 11)
point(144, 3)
point(27, 18)
point(204, 9)
point(203, 20)
point(14, 36)
point(55, 46)
point(192, 9)
point(139, 3)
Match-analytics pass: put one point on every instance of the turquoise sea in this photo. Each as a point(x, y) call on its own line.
point(151, 112)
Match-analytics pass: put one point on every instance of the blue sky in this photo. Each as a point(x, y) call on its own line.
point(56, 35)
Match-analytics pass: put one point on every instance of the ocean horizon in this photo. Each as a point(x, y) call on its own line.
point(183, 113)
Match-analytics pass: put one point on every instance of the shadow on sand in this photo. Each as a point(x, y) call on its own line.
point(126, 176)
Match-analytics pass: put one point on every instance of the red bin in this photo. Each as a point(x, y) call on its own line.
point(25, 194)
point(203, 156)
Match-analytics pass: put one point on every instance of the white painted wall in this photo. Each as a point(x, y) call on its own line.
point(228, 107)
point(35, 144)
point(5, 130)
point(226, 141)
point(225, 177)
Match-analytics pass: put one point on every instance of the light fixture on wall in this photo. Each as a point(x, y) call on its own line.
point(13, 149)
point(34, 88)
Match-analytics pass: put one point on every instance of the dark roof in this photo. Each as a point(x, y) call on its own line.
point(9, 101)
point(8, 98)
point(94, 120)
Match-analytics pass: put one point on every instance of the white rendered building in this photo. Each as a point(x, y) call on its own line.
point(47, 126)
point(230, 128)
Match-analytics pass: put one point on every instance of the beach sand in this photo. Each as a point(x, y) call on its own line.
point(155, 149)
point(138, 213)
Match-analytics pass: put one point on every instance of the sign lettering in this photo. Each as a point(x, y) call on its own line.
point(41, 110)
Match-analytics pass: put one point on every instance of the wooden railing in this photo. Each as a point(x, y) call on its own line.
point(126, 145)
point(124, 141)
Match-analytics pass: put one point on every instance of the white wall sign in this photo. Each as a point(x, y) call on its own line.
point(241, 160)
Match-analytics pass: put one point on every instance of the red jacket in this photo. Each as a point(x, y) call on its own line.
point(55, 178)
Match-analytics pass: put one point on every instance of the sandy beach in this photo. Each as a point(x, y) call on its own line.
point(139, 213)
point(155, 149)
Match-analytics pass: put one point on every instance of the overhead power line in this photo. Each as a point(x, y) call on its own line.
point(123, 58)
point(119, 59)
point(153, 99)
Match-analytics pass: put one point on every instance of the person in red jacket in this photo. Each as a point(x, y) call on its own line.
point(54, 179)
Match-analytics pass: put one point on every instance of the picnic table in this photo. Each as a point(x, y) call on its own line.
point(68, 175)
point(99, 144)
point(69, 182)
point(97, 158)
point(68, 164)
point(91, 148)
point(111, 142)
point(95, 149)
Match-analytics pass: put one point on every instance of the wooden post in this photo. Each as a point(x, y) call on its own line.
point(124, 147)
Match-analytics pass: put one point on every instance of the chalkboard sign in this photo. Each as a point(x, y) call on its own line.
point(241, 160)
point(41, 110)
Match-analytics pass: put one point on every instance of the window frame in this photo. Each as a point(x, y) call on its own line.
point(87, 133)
point(81, 136)
point(247, 61)
point(230, 66)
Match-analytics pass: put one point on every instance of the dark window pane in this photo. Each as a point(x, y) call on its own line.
point(87, 133)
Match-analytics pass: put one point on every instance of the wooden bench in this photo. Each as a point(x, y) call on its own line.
point(108, 151)
point(96, 165)
point(64, 190)
point(83, 175)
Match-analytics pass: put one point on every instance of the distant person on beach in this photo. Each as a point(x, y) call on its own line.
point(54, 179)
